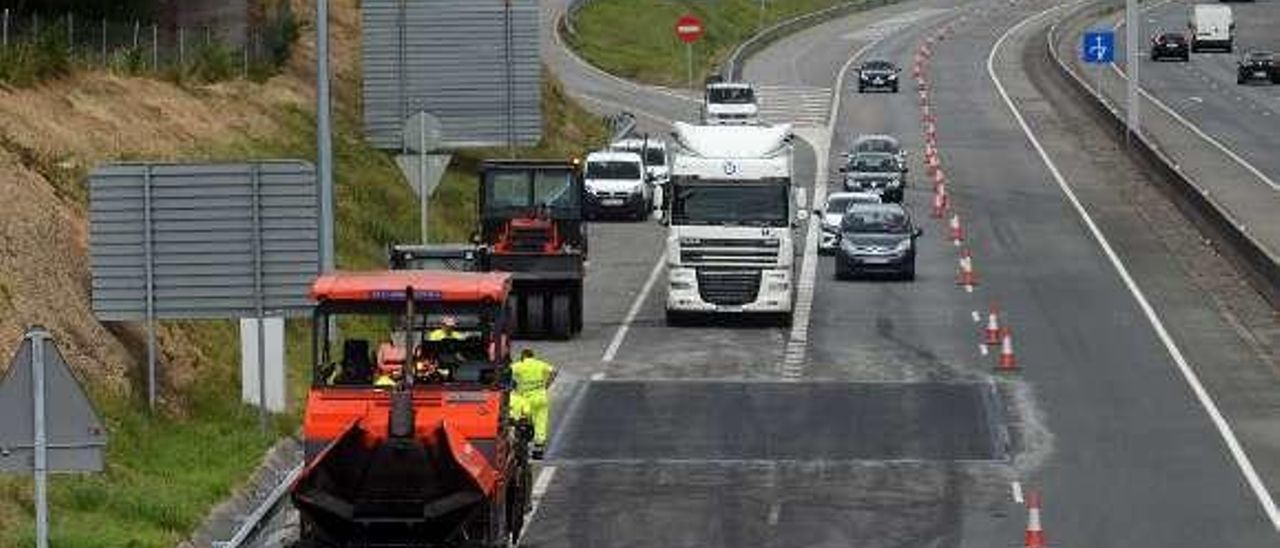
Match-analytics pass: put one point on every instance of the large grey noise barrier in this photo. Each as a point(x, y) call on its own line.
point(203, 241)
point(473, 64)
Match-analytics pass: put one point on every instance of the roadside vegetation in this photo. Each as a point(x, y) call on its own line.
point(648, 50)
point(167, 469)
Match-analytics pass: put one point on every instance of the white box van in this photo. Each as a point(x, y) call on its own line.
point(1212, 26)
point(616, 184)
point(730, 103)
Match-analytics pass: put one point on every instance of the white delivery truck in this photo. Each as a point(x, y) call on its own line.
point(731, 211)
point(730, 103)
point(1212, 27)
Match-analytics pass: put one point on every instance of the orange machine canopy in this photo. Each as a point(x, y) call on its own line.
point(389, 285)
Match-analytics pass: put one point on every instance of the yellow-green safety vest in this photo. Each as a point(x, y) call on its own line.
point(531, 374)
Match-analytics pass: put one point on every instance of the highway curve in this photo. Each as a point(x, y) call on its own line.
point(890, 429)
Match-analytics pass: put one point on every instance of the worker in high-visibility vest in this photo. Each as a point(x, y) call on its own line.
point(530, 399)
point(448, 330)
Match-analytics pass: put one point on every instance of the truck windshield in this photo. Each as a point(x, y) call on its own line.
point(757, 204)
point(520, 189)
point(655, 157)
point(731, 96)
point(613, 170)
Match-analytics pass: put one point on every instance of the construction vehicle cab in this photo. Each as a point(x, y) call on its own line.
point(430, 457)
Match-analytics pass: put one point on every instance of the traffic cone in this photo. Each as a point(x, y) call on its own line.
point(939, 176)
point(939, 202)
point(930, 129)
point(1007, 360)
point(991, 335)
point(967, 276)
point(955, 230)
point(924, 97)
point(1035, 533)
point(925, 114)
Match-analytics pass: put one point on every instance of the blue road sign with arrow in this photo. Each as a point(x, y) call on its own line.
point(1099, 47)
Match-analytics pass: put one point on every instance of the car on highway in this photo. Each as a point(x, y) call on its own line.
point(875, 172)
point(616, 184)
point(878, 74)
point(877, 239)
point(832, 213)
point(880, 143)
point(1257, 65)
point(1170, 45)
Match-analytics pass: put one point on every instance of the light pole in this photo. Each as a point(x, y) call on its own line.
point(1132, 59)
point(324, 141)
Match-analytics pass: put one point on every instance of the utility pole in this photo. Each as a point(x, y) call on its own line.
point(1132, 59)
point(324, 141)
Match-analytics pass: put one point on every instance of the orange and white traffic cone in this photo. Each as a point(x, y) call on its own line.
point(967, 277)
point(939, 202)
point(924, 97)
point(939, 177)
point(1008, 362)
point(931, 161)
point(930, 130)
point(991, 335)
point(955, 230)
point(1035, 532)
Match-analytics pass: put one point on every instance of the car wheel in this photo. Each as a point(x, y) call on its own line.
point(909, 273)
point(842, 273)
point(1240, 80)
point(895, 88)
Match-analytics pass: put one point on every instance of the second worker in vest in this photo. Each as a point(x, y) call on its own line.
point(531, 396)
point(448, 330)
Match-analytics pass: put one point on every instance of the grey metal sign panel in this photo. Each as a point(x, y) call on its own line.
point(212, 238)
point(73, 432)
point(450, 58)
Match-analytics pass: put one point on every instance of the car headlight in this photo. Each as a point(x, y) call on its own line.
point(902, 246)
point(893, 76)
point(863, 76)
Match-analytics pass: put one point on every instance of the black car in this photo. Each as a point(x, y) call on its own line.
point(877, 239)
point(1170, 45)
point(878, 75)
point(1258, 65)
point(875, 172)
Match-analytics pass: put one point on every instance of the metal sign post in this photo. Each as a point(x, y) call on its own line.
point(1132, 61)
point(39, 438)
point(1097, 47)
point(324, 139)
point(422, 133)
point(689, 29)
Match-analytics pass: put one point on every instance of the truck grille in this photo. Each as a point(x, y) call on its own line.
point(717, 252)
point(728, 287)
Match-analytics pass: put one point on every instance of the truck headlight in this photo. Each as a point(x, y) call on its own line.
point(772, 276)
point(681, 286)
point(778, 287)
point(689, 240)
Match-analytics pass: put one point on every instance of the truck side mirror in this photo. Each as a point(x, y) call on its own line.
point(844, 169)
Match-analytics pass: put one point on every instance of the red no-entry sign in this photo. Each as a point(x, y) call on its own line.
point(689, 28)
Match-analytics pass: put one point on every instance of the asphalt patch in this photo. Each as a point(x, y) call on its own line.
point(782, 421)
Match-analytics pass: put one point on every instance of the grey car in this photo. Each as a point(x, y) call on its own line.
point(877, 239)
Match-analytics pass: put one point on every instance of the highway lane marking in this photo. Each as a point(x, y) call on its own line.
point(540, 485)
point(976, 317)
point(1206, 401)
point(1195, 129)
point(621, 333)
point(1015, 488)
point(598, 375)
point(982, 349)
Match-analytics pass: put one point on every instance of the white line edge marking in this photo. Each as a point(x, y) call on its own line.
point(621, 333)
point(982, 349)
point(1206, 401)
point(555, 33)
point(1015, 487)
point(540, 485)
point(1195, 129)
point(976, 317)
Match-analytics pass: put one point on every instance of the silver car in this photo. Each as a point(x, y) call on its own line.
point(831, 214)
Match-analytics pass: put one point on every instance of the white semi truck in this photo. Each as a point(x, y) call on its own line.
point(731, 211)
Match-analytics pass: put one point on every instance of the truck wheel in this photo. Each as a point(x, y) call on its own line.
point(535, 314)
point(677, 319)
point(561, 316)
point(576, 311)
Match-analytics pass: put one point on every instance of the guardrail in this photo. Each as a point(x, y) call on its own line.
point(1212, 218)
point(621, 125)
point(731, 69)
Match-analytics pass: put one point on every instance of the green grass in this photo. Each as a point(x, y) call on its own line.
point(647, 49)
point(165, 471)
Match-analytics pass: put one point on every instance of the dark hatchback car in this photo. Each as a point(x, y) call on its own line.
point(1258, 66)
point(878, 75)
point(877, 239)
point(1170, 45)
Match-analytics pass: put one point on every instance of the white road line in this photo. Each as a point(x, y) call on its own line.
point(598, 375)
point(540, 485)
point(555, 33)
point(621, 333)
point(982, 349)
point(1206, 401)
point(976, 317)
point(1015, 488)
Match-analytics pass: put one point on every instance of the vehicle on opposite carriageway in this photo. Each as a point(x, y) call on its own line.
point(731, 212)
point(1170, 45)
point(1257, 65)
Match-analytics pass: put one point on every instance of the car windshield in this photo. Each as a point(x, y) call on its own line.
point(838, 204)
point(655, 157)
point(878, 65)
point(613, 170)
point(731, 95)
point(1176, 38)
point(759, 204)
point(873, 163)
point(875, 221)
point(876, 145)
point(1261, 56)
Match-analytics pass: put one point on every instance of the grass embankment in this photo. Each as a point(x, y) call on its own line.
point(165, 471)
point(648, 50)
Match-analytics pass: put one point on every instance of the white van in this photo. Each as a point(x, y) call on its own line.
point(1212, 26)
point(616, 184)
point(730, 103)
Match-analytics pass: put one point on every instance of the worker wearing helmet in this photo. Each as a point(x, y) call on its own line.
point(530, 399)
point(446, 331)
point(388, 378)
